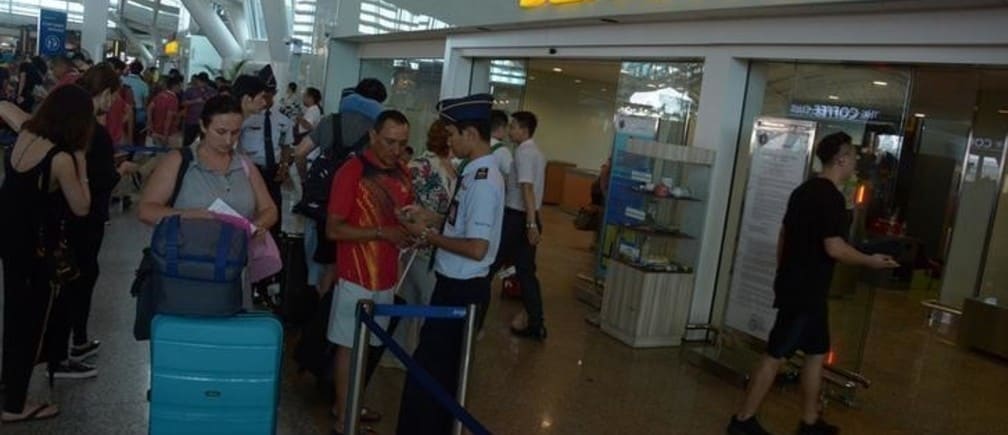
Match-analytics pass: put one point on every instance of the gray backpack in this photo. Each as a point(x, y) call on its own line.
point(193, 267)
point(198, 267)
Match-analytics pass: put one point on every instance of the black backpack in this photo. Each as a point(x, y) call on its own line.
point(318, 180)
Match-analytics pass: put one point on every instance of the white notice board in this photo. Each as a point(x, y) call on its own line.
point(781, 149)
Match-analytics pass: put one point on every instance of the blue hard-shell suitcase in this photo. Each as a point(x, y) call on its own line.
point(215, 375)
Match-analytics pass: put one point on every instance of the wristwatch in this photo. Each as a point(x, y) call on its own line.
point(531, 225)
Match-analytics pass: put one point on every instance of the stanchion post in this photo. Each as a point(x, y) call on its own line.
point(468, 333)
point(358, 361)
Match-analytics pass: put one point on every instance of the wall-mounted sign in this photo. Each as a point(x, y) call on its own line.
point(833, 111)
point(52, 29)
point(528, 4)
point(171, 48)
point(780, 156)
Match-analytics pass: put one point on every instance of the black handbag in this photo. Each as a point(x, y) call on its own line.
point(60, 263)
point(145, 294)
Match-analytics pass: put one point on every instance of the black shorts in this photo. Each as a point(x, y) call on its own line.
point(799, 329)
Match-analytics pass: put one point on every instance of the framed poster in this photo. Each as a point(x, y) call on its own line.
point(781, 152)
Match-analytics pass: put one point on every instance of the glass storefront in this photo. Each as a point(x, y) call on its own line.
point(930, 144)
point(414, 87)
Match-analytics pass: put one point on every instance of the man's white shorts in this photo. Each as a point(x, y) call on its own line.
point(343, 313)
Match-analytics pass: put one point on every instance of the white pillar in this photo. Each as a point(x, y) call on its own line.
point(278, 33)
point(722, 96)
point(239, 22)
point(133, 40)
point(342, 71)
point(214, 29)
point(94, 28)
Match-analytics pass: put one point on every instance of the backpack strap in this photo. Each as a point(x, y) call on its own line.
point(337, 132)
point(187, 157)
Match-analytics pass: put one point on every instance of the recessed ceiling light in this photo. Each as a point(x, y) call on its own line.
point(880, 83)
point(531, 77)
point(1003, 111)
point(577, 80)
point(557, 69)
point(603, 89)
point(833, 97)
point(919, 115)
point(651, 85)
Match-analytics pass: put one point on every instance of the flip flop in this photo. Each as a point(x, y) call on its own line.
point(35, 414)
point(364, 430)
point(367, 415)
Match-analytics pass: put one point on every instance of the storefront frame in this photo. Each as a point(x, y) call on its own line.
point(726, 46)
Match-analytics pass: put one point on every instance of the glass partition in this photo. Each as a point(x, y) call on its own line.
point(414, 86)
point(869, 104)
point(990, 137)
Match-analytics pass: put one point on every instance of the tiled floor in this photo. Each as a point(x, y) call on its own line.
point(579, 382)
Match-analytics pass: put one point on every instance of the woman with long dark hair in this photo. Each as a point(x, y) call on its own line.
point(46, 177)
point(72, 308)
point(85, 235)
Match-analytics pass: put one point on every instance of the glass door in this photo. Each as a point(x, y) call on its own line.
point(414, 86)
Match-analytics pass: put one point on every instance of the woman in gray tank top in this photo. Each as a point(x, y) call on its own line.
point(216, 172)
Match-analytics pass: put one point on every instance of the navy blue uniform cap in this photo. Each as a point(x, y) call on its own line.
point(472, 108)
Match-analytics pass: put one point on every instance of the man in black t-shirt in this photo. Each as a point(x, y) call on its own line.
point(811, 241)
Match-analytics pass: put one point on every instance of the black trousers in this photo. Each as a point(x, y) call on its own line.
point(515, 249)
point(27, 300)
point(72, 307)
point(139, 135)
point(439, 352)
point(269, 174)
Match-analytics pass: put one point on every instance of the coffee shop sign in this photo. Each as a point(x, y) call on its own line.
point(529, 4)
point(831, 111)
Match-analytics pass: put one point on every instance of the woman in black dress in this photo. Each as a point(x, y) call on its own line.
point(46, 177)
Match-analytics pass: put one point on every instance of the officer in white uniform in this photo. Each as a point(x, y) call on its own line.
point(465, 247)
point(267, 138)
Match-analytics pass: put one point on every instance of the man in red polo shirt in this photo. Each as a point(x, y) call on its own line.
point(163, 112)
point(366, 194)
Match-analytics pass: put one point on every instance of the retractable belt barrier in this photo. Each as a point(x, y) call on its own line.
point(143, 150)
point(366, 325)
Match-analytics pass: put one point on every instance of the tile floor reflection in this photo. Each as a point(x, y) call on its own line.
point(579, 382)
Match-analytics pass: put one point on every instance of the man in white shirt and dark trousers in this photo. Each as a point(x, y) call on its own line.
point(498, 147)
point(464, 249)
point(505, 160)
point(267, 138)
point(522, 226)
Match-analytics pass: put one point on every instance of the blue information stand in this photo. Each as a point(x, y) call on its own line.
point(52, 26)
